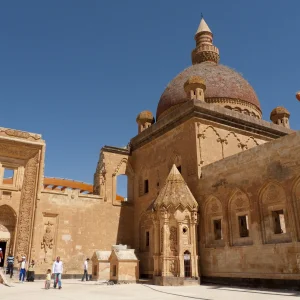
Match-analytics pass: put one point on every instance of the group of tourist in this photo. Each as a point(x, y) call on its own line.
point(57, 270)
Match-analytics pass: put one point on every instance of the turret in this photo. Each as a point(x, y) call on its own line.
point(280, 116)
point(144, 119)
point(195, 88)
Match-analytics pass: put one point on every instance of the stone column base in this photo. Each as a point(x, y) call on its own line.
point(175, 281)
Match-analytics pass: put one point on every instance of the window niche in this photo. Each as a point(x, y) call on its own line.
point(213, 215)
point(275, 215)
point(240, 219)
point(218, 229)
point(243, 226)
point(278, 222)
point(146, 186)
point(147, 239)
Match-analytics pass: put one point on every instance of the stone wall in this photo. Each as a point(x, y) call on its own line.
point(73, 226)
point(257, 183)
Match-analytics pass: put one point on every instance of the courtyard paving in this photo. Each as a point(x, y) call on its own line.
point(75, 289)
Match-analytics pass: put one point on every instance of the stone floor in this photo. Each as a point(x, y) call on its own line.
point(74, 289)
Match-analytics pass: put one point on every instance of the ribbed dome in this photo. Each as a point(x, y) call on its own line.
point(221, 82)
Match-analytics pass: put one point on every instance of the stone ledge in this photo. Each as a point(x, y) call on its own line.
point(253, 282)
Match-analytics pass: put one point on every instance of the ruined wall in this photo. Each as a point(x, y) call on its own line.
point(73, 226)
point(261, 186)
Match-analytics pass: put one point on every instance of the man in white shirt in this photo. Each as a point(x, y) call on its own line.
point(85, 270)
point(22, 269)
point(57, 270)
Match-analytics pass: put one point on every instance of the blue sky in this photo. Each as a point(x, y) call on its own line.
point(79, 72)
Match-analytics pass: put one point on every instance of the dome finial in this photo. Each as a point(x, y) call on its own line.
point(205, 50)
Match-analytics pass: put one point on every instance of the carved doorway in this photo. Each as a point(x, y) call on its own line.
point(187, 264)
point(3, 248)
point(8, 220)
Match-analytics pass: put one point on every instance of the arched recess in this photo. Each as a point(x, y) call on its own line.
point(146, 244)
point(239, 219)
point(176, 160)
point(274, 213)
point(8, 221)
point(211, 146)
point(213, 216)
point(296, 205)
point(123, 168)
point(143, 181)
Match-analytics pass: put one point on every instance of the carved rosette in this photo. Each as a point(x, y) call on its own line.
point(27, 206)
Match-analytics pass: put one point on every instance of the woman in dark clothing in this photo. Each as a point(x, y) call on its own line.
point(30, 272)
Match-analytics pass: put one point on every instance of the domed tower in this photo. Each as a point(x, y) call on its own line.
point(224, 86)
point(144, 119)
point(280, 116)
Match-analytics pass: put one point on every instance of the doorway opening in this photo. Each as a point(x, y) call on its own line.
point(187, 264)
point(3, 247)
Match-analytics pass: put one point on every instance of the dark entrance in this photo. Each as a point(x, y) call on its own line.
point(187, 264)
point(3, 247)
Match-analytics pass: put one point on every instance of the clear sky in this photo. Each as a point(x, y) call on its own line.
point(79, 72)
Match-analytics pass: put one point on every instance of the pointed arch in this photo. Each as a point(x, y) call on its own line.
point(239, 218)
point(231, 144)
point(251, 142)
point(274, 213)
point(210, 145)
point(296, 205)
point(213, 219)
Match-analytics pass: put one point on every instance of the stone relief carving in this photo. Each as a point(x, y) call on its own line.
point(48, 241)
point(273, 193)
point(27, 206)
point(173, 240)
point(20, 134)
point(172, 267)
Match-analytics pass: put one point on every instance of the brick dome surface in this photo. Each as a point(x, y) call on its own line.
point(221, 82)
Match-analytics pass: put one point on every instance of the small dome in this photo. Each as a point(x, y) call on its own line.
point(279, 110)
point(194, 81)
point(221, 82)
point(145, 116)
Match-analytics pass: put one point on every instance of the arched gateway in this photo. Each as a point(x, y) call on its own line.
point(8, 220)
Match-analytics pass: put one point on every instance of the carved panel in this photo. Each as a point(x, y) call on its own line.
point(173, 240)
point(27, 202)
point(49, 237)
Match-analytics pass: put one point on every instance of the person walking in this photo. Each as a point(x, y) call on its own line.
point(22, 269)
point(57, 270)
point(30, 272)
point(85, 270)
point(10, 264)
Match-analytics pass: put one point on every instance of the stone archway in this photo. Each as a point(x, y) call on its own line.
point(8, 221)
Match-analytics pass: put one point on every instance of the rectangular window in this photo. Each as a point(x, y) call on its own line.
point(8, 176)
point(179, 169)
point(114, 271)
point(243, 226)
point(279, 222)
point(146, 186)
point(147, 238)
point(218, 229)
